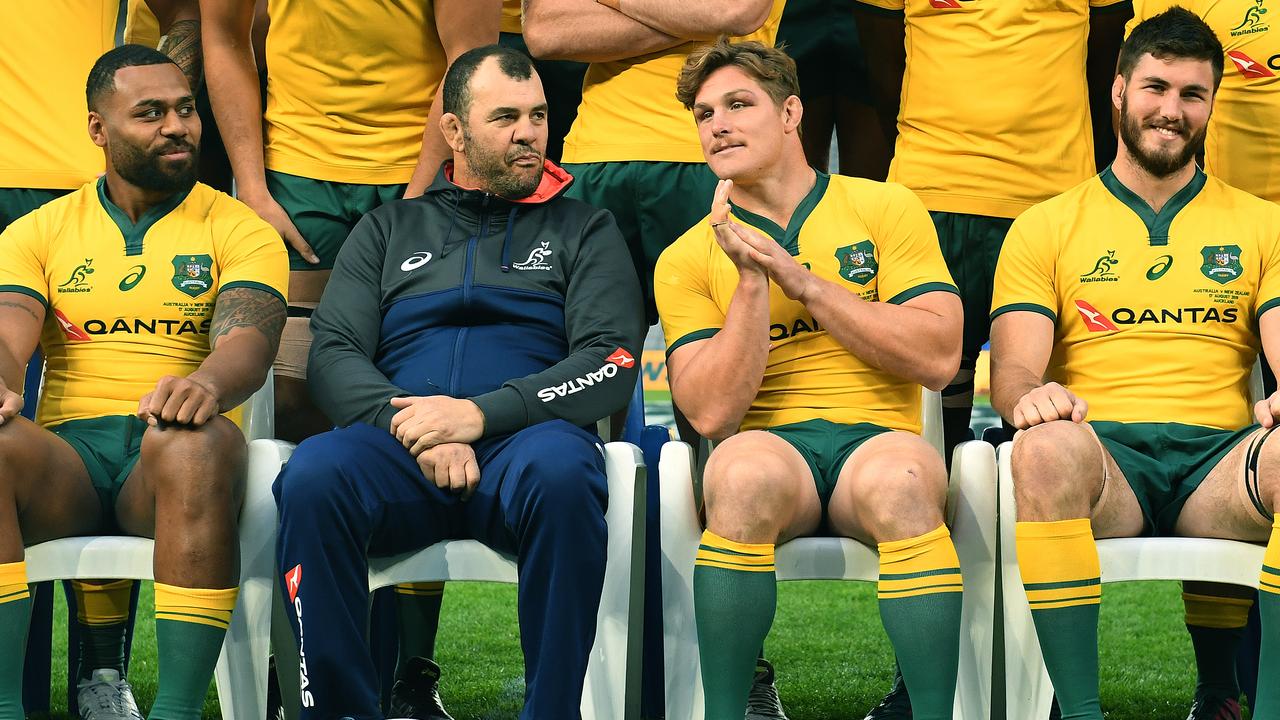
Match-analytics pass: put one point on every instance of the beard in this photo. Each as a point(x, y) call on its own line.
point(495, 168)
point(147, 170)
point(1160, 162)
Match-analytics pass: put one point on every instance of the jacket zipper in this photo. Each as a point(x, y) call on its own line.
point(468, 272)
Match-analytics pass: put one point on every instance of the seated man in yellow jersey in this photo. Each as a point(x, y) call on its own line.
point(1149, 289)
point(801, 318)
point(158, 303)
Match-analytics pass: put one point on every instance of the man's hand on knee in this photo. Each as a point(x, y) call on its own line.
point(1266, 410)
point(10, 403)
point(178, 400)
point(425, 422)
point(1047, 403)
point(452, 467)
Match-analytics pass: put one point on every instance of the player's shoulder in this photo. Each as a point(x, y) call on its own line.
point(691, 244)
point(230, 217)
point(60, 214)
point(1243, 205)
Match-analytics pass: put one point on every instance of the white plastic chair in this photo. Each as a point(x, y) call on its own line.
point(612, 689)
point(241, 673)
point(971, 513)
point(1028, 692)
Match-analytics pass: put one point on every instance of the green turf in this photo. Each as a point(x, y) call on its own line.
point(832, 657)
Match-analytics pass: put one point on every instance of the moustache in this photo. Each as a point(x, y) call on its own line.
point(175, 147)
point(521, 150)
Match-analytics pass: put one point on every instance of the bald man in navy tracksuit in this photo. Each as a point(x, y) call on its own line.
point(462, 334)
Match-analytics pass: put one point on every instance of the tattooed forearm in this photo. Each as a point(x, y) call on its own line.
point(20, 306)
point(182, 45)
point(246, 307)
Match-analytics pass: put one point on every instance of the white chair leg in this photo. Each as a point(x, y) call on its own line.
point(681, 532)
point(971, 510)
point(612, 687)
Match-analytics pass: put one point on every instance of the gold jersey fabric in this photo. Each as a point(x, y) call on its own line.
point(994, 112)
point(44, 141)
point(875, 240)
point(511, 17)
point(629, 109)
point(142, 28)
point(350, 83)
point(127, 304)
point(1241, 146)
point(1154, 313)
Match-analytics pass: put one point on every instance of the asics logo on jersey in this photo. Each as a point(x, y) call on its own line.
point(69, 328)
point(130, 281)
point(1248, 66)
point(1157, 271)
point(537, 258)
point(1094, 320)
point(415, 261)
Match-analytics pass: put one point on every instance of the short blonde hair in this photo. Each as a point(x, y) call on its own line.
point(770, 66)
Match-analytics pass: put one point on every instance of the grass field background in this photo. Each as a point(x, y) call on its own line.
point(833, 659)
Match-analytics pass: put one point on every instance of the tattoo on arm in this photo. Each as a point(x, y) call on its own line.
point(246, 307)
point(20, 306)
point(182, 45)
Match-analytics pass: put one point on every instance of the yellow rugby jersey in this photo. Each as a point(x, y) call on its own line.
point(142, 27)
point(1155, 313)
point(874, 239)
point(511, 17)
point(629, 109)
point(127, 304)
point(1241, 146)
point(44, 60)
point(350, 83)
point(994, 113)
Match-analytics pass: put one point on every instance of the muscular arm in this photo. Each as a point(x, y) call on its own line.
point(1106, 34)
point(883, 38)
point(918, 340)
point(1021, 342)
point(715, 400)
point(702, 20)
point(234, 91)
point(21, 317)
point(243, 339)
point(179, 22)
point(587, 31)
point(462, 25)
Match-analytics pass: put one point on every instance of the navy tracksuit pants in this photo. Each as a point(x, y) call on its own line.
point(357, 491)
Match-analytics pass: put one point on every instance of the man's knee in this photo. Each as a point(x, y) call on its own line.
point(216, 445)
point(561, 469)
point(904, 493)
point(746, 482)
point(1057, 463)
point(318, 474)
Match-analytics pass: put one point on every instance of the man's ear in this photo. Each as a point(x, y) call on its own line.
point(792, 112)
point(97, 133)
point(1117, 91)
point(451, 127)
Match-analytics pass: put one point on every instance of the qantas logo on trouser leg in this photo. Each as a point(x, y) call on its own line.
point(293, 583)
point(1094, 320)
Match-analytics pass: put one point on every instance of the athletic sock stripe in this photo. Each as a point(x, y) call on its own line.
point(1062, 584)
point(1269, 587)
point(730, 551)
point(923, 573)
point(1268, 569)
point(197, 619)
point(1094, 597)
point(734, 558)
point(211, 613)
point(922, 590)
point(731, 566)
point(713, 541)
point(1055, 605)
point(13, 595)
point(917, 583)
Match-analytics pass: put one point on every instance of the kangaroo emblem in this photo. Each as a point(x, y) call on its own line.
point(79, 275)
point(1102, 268)
point(1252, 17)
point(537, 258)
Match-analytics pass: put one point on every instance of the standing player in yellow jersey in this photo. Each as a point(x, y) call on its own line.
point(133, 439)
point(801, 318)
point(632, 149)
point(1175, 273)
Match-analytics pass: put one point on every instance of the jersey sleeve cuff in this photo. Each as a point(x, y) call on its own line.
point(24, 290)
point(1024, 307)
point(691, 337)
point(921, 289)
point(253, 285)
point(1272, 303)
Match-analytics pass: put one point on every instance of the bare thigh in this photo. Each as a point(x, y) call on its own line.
point(894, 486)
point(757, 488)
point(1221, 508)
point(46, 487)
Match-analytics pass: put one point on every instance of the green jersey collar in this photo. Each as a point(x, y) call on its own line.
point(132, 233)
point(1157, 222)
point(789, 238)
